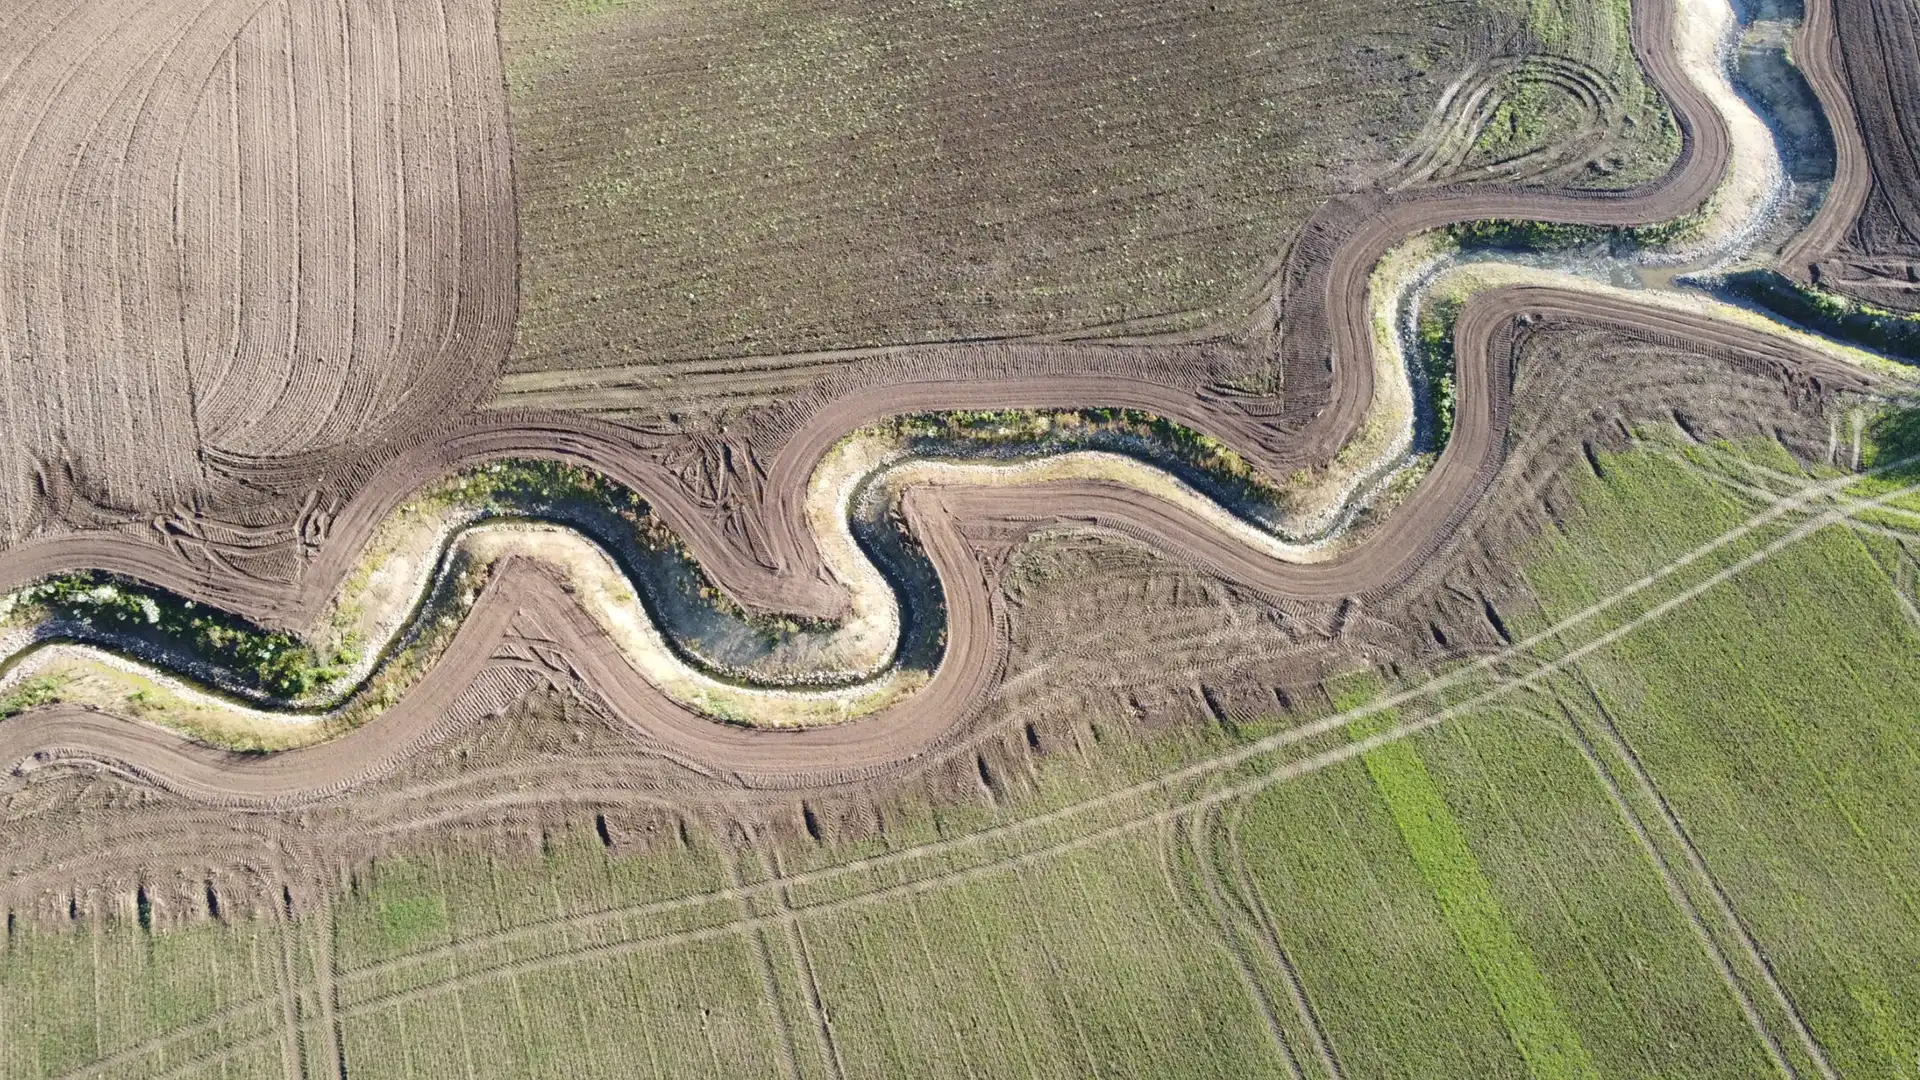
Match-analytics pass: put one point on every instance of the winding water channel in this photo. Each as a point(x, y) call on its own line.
point(111, 642)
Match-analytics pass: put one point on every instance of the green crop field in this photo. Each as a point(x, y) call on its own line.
point(1670, 833)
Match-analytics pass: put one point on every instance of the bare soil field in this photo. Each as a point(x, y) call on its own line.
point(706, 481)
point(1863, 60)
point(527, 650)
point(240, 231)
point(966, 936)
point(734, 495)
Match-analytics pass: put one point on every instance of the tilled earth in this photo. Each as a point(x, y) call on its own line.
point(531, 719)
point(1861, 60)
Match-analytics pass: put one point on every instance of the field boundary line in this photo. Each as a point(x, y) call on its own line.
point(1193, 832)
point(803, 963)
point(763, 953)
point(1697, 862)
point(1282, 773)
point(1900, 593)
point(1270, 939)
point(1900, 537)
point(292, 1051)
point(1801, 483)
point(324, 970)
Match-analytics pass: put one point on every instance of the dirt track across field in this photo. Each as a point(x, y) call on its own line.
point(735, 496)
point(1863, 61)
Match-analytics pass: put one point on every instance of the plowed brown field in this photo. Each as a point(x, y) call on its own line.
point(524, 604)
point(496, 744)
point(714, 179)
point(240, 230)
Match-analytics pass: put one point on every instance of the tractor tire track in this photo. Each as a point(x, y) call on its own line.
point(1697, 867)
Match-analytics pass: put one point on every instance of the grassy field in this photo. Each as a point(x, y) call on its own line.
point(1686, 848)
point(1468, 903)
point(1541, 109)
point(1533, 1019)
point(1775, 717)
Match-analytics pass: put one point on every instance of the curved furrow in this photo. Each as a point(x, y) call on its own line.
point(1465, 108)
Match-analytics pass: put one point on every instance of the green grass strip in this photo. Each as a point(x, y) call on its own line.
point(1533, 1017)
